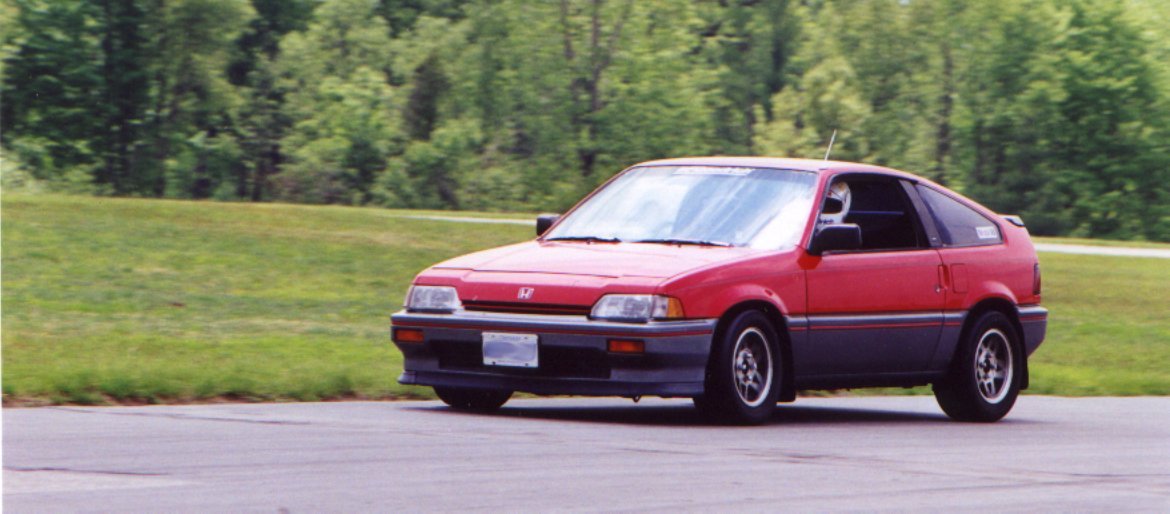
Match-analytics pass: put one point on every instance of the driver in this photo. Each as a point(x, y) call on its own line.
point(837, 202)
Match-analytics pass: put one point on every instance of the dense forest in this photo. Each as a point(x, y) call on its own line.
point(1058, 110)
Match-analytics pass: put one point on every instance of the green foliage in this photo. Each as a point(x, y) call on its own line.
point(1056, 110)
point(204, 167)
point(51, 53)
point(106, 91)
point(432, 168)
point(747, 46)
point(337, 75)
point(15, 176)
point(194, 102)
point(260, 42)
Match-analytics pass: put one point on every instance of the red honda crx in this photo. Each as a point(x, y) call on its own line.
point(738, 281)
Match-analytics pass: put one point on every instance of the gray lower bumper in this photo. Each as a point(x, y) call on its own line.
point(573, 354)
point(1034, 320)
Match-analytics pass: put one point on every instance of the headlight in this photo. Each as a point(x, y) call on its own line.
point(433, 299)
point(637, 307)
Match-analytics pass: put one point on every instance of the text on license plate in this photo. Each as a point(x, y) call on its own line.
point(505, 349)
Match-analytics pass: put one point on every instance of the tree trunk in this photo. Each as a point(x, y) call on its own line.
point(942, 148)
point(600, 56)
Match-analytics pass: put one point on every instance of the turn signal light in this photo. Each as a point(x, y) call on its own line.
point(407, 335)
point(626, 346)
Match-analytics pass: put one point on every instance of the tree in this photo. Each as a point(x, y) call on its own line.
point(824, 99)
point(53, 84)
point(1056, 110)
point(261, 40)
point(191, 46)
point(1064, 125)
point(402, 15)
point(341, 104)
point(749, 46)
point(263, 121)
point(108, 89)
point(1109, 141)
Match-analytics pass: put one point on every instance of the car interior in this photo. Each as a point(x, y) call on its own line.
point(884, 213)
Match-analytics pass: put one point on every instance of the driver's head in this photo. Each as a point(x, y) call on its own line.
point(837, 202)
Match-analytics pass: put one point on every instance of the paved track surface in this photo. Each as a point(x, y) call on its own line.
point(823, 454)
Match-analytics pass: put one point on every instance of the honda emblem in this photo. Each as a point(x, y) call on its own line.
point(525, 293)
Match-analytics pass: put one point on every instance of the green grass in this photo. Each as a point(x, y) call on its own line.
point(1103, 242)
point(522, 216)
point(159, 301)
point(1108, 328)
point(121, 300)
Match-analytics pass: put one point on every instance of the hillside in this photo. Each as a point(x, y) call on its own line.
point(145, 300)
point(125, 300)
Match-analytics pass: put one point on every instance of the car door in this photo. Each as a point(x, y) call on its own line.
point(970, 246)
point(876, 311)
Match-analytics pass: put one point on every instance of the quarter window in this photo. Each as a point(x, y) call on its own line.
point(958, 224)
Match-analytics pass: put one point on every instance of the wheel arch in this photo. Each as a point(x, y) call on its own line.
point(1008, 309)
point(776, 316)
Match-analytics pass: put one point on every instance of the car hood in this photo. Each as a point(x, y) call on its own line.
point(594, 259)
point(568, 276)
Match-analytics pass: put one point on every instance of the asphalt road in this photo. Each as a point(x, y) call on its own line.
point(823, 454)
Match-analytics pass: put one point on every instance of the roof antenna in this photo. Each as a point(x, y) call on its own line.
point(830, 148)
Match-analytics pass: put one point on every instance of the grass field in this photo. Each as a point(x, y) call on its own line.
point(143, 300)
point(122, 300)
point(1103, 242)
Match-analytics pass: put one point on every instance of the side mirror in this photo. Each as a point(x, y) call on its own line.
point(844, 236)
point(544, 221)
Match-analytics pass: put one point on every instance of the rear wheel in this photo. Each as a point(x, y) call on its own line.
point(744, 376)
point(477, 400)
point(984, 379)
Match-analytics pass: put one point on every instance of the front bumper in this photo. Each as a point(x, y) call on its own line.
point(572, 352)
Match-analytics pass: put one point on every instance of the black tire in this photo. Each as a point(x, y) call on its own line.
point(702, 404)
point(475, 400)
point(985, 376)
point(744, 375)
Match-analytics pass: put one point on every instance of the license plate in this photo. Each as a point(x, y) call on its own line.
point(513, 350)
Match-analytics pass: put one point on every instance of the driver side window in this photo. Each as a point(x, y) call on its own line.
point(880, 207)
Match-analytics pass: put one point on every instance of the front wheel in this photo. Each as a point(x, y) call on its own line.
point(984, 379)
point(477, 400)
point(744, 376)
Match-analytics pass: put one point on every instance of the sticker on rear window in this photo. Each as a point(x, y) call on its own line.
point(711, 170)
point(987, 232)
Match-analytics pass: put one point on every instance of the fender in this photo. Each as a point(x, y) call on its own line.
point(988, 290)
point(712, 300)
point(955, 324)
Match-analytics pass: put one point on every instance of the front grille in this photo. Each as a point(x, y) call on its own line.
point(527, 308)
point(555, 362)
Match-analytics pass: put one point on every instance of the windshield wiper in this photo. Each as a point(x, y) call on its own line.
point(590, 239)
point(699, 242)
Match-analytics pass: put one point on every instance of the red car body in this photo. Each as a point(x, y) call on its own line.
point(854, 318)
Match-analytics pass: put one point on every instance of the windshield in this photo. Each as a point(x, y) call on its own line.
point(725, 206)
